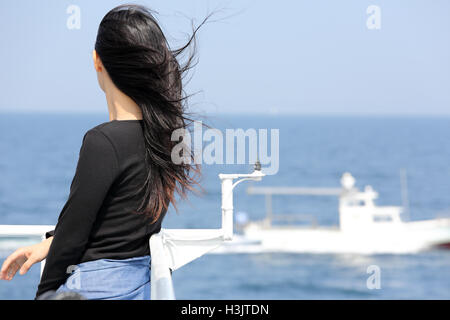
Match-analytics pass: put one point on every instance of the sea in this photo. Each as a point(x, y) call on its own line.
point(39, 152)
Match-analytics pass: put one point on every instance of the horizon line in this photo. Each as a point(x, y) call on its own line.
point(236, 113)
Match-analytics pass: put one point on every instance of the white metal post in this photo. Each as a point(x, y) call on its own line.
point(43, 261)
point(227, 208)
point(161, 285)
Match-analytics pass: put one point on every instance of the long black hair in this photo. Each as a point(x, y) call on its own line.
point(141, 64)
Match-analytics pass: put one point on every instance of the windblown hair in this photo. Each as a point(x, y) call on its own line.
point(139, 61)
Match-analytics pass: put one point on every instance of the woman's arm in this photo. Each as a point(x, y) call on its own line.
point(23, 258)
point(97, 169)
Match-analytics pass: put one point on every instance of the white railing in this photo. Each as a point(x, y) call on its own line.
point(25, 231)
point(173, 248)
point(170, 248)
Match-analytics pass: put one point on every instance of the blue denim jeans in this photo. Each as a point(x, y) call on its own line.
point(108, 279)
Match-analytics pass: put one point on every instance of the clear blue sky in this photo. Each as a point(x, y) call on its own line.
point(266, 56)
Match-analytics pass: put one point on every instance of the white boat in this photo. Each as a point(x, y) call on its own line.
point(364, 227)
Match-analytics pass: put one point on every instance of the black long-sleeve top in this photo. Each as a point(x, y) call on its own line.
point(97, 221)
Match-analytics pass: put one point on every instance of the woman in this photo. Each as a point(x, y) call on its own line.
point(125, 178)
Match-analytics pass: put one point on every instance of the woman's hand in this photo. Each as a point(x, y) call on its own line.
point(24, 258)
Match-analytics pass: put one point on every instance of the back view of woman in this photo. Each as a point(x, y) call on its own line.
point(125, 178)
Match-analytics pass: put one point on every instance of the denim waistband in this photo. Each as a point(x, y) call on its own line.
point(111, 279)
point(114, 263)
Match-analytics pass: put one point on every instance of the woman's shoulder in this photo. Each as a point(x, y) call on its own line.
point(102, 127)
point(97, 138)
point(113, 127)
point(102, 131)
point(119, 135)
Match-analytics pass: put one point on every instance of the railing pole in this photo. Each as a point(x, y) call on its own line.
point(227, 208)
point(43, 261)
point(161, 284)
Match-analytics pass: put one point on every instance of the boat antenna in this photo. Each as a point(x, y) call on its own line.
point(405, 200)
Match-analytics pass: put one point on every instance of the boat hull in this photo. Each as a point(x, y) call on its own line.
point(403, 238)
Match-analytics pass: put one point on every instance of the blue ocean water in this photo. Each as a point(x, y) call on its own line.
point(38, 154)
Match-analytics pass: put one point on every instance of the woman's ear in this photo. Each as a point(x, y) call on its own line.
point(97, 62)
point(99, 68)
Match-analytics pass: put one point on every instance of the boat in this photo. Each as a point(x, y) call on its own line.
point(364, 227)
